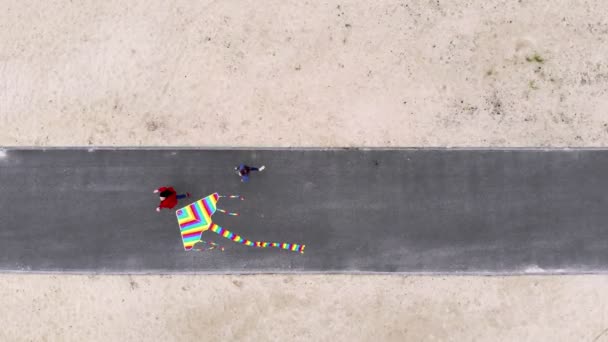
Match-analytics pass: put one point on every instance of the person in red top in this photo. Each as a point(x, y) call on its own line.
point(168, 197)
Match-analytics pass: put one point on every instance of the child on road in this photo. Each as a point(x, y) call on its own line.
point(169, 197)
point(244, 170)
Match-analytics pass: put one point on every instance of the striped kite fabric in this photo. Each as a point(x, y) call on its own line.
point(195, 218)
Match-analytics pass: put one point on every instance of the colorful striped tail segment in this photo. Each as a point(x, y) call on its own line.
point(227, 213)
point(260, 244)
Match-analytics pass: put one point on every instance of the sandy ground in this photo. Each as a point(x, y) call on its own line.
point(303, 73)
point(303, 308)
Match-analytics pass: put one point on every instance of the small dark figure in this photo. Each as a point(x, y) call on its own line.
point(244, 170)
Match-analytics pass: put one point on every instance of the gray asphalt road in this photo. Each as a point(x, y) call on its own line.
point(439, 211)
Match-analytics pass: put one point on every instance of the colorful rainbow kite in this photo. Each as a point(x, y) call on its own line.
point(195, 218)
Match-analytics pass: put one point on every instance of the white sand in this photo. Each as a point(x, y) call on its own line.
point(288, 73)
point(302, 308)
point(303, 73)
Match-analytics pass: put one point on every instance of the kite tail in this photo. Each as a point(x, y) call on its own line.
point(260, 244)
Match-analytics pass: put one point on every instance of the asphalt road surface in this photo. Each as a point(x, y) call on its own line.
point(407, 211)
